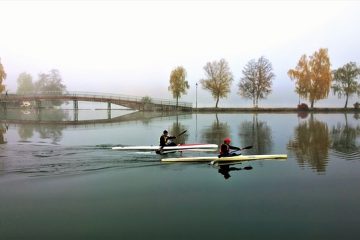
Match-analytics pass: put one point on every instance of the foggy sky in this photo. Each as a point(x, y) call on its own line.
point(131, 47)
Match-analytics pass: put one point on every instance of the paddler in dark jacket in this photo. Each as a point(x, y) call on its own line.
point(164, 140)
point(226, 147)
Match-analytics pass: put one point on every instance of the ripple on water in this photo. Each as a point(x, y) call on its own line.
point(351, 155)
point(40, 160)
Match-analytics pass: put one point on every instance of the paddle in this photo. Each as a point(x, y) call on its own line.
point(182, 133)
point(247, 147)
point(239, 149)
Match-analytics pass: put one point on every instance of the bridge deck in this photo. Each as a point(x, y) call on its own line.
point(132, 102)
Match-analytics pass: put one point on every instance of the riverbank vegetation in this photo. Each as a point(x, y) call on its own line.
point(313, 76)
point(314, 79)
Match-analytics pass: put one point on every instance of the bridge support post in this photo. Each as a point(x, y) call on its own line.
point(76, 115)
point(38, 104)
point(109, 110)
point(76, 105)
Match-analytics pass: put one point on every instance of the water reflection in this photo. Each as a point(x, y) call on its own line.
point(311, 144)
point(216, 132)
point(36, 115)
point(344, 139)
point(357, 116)
point(176, 129)
point(3, 129)
point(257, 134)
point(226, 169)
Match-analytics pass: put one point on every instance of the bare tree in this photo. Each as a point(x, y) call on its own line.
point(257, 80)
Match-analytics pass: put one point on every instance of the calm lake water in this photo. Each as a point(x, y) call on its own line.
point(59, 178)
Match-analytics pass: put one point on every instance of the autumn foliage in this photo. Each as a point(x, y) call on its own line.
point(218, 79)
point(313, 76)
point(178, 83)
point(2, 78)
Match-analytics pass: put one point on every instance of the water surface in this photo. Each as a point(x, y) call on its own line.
point(59, 178)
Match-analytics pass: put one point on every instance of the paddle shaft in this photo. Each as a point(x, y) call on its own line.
point(182, 133)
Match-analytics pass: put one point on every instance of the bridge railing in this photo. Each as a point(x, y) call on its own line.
point(111, 96)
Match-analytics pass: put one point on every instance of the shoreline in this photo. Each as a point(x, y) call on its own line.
point(223, 109)
point(279, 110)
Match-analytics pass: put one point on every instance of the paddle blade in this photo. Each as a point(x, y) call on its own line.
point(248, 147)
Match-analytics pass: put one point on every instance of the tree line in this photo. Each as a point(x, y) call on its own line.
point(45, 84)
point(313, 77)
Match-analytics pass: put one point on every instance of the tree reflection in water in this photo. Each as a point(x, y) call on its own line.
point(216, 132)
point(311, 144)
point(176, 129)
point(344, 138)
point(48, 131)
point(2, 133)
point(257, 134)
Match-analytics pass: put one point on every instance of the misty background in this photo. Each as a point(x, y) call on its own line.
point(131, 47)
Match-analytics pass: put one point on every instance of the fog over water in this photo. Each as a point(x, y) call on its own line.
point(131, 47)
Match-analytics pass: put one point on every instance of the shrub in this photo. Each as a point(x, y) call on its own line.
point(357, 105)
point(302, 106)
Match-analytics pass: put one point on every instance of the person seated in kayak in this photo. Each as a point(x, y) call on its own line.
point(226, 147)
point(165, 140)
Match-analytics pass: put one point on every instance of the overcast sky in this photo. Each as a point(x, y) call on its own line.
point(131, 47)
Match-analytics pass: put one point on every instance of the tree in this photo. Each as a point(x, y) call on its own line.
point(257, 80)
point(178, 84)
point(218, 79)
point(313, 76)
point(50, 82)
point(2, 77)
point(25, 83)
point(345, 79)
point(146, 102)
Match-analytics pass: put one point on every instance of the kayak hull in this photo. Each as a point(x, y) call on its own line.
point(239, 158)
point(193, 147)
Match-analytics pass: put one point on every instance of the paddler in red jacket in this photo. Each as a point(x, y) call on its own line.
point(226, 147)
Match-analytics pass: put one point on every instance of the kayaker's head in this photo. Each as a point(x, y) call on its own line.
point(227, 140)
point(165, 132)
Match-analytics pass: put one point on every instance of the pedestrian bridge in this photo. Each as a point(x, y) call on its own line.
point(131, 102)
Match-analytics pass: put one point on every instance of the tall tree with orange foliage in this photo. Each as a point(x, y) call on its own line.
point(313, 76)
point(2, 77)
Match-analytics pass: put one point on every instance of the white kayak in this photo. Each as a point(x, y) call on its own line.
point(239, 158)
point(180, 147)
